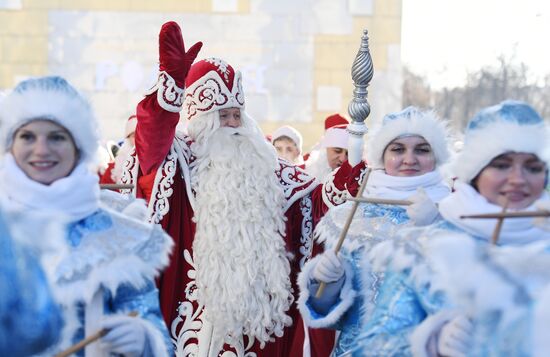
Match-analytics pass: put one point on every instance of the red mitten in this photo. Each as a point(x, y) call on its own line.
point(341, 176)
point(172, 56)
point(352, 183)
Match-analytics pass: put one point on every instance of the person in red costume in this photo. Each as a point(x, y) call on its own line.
point(242, 220)
point(114, 169)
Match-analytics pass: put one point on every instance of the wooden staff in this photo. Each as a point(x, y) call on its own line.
point(521, 214)
point(344, 231)
point(85, 342)
point(381, 201)
point(116, 186)
point(498, 227)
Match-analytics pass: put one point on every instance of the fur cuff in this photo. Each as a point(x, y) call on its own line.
point(346, 298)
point(332, 194)
point(169, 95)
point(429, 327)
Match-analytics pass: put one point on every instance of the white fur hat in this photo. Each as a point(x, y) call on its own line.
point(289, 132)
point(336, 135)
point(409, 121)
point(51, 98)
point(510, 126)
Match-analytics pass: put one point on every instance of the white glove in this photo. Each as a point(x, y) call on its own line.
point(126, 335)
point(542, 222)
point(455, 338)
point(423, 210)
point(329, 268)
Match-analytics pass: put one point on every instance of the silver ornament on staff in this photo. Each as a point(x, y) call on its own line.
point(362, 71)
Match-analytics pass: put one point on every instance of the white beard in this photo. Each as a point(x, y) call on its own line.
point(122, 156)
point(317, 165)
point(242, 272)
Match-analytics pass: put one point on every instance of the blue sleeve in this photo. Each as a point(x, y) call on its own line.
point(145, 302)
point(31, 320)
point(397, 312)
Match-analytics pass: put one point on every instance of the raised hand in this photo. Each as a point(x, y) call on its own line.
point(173, 59)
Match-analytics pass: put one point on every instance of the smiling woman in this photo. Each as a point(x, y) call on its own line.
point(49, 136)
point(409, 156)
point(44, 150)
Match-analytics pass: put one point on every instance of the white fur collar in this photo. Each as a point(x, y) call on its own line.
point(127, 252)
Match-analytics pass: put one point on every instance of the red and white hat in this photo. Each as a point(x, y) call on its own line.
point(212, 84)
point(130, 126)
point(336, 135)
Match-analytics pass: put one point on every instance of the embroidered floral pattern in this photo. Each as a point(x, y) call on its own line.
point(211, 93)
point(295, 182)
point(332, 196)
point(169, 95)
point(129, 173)
point(306, 239)
point(162, 191)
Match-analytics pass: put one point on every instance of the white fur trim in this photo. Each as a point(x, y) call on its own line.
point(335, 138)
point(54, 99)
point(427, 125)
point(347, 296)
point(429, 327)
point(138, 252)
point(484, 144)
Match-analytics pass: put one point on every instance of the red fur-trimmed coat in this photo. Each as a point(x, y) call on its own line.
point(161, 169)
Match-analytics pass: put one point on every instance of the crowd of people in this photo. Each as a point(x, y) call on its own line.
point(234, 245)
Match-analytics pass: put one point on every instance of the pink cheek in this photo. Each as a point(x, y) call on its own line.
point(396, 160)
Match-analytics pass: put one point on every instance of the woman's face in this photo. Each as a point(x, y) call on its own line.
point(408, 156)
point(44, 150)
point(516, 178)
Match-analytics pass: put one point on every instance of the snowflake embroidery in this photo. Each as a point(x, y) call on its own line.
point(221, 64)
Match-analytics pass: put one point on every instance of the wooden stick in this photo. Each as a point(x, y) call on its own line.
point(498, 227)
point(521, 214)
point(85, 342)
point(382, 201)
point(116, 186)
point(344, 231)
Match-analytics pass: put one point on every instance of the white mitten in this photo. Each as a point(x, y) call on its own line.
point(455, 338)
point(329, 268)
point(542, 222)
point(126, 335)
point(423, 210)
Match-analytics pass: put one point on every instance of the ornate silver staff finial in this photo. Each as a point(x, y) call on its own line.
point(359, 108)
